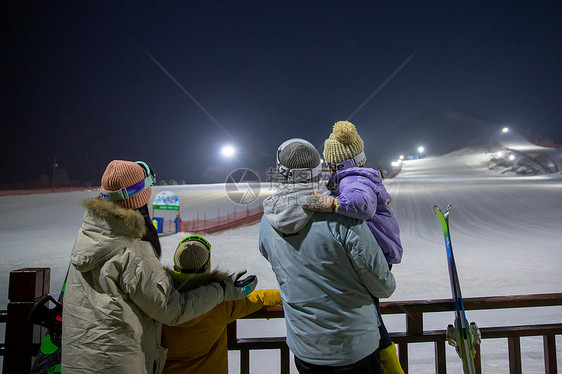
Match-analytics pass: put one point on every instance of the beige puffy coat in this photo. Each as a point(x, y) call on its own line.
point(118, 295)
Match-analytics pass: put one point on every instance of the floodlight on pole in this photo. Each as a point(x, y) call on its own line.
point(421, 149)
point(505, 130)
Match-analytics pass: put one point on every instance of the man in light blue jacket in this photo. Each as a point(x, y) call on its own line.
point(328, 266)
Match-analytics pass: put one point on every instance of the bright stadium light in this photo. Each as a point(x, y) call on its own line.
point(505, 130)
point(396, 163)
point(421, 149)
point(228, 151)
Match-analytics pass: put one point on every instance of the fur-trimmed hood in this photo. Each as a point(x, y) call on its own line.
point(185, 282)
point(106, 228)
point(128, 222)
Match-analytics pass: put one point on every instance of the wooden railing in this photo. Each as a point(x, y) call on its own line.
point(414, 313)
point(245, 345)
point(27, 286)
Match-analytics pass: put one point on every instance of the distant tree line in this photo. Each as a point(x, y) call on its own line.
point(45, 181)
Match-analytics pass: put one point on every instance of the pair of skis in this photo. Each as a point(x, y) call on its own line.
point(463, 336)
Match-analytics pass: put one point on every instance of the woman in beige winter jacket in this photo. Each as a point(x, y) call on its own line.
point(117, 292)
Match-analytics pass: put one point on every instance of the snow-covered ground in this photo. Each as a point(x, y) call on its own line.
point(506, 233)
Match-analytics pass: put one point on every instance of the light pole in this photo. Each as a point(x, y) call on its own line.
point(54, 168)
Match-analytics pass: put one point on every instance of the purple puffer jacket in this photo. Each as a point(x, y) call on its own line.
point(362, 195)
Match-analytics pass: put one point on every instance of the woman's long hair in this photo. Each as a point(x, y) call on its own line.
point(151, 233)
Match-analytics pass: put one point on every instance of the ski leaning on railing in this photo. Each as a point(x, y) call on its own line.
point(463, 336)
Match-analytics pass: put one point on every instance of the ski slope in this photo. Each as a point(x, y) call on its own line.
point(505, 230)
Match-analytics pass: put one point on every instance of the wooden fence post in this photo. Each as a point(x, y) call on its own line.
point(550, 354)
point(27, 286)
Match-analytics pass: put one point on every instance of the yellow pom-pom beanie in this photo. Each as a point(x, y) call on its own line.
point(343, 144)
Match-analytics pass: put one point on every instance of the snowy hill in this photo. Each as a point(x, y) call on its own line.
point(505, 231)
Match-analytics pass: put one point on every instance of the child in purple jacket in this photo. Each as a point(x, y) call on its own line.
point(357, 191)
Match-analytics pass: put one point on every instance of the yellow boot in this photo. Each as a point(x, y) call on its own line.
point(389, 361)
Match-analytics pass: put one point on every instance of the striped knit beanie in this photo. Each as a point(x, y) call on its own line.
point(343, 144)
point(121, 174)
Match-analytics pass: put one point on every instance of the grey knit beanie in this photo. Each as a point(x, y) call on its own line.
point(298, 155)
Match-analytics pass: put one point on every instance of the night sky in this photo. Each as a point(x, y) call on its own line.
point(171, 82)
